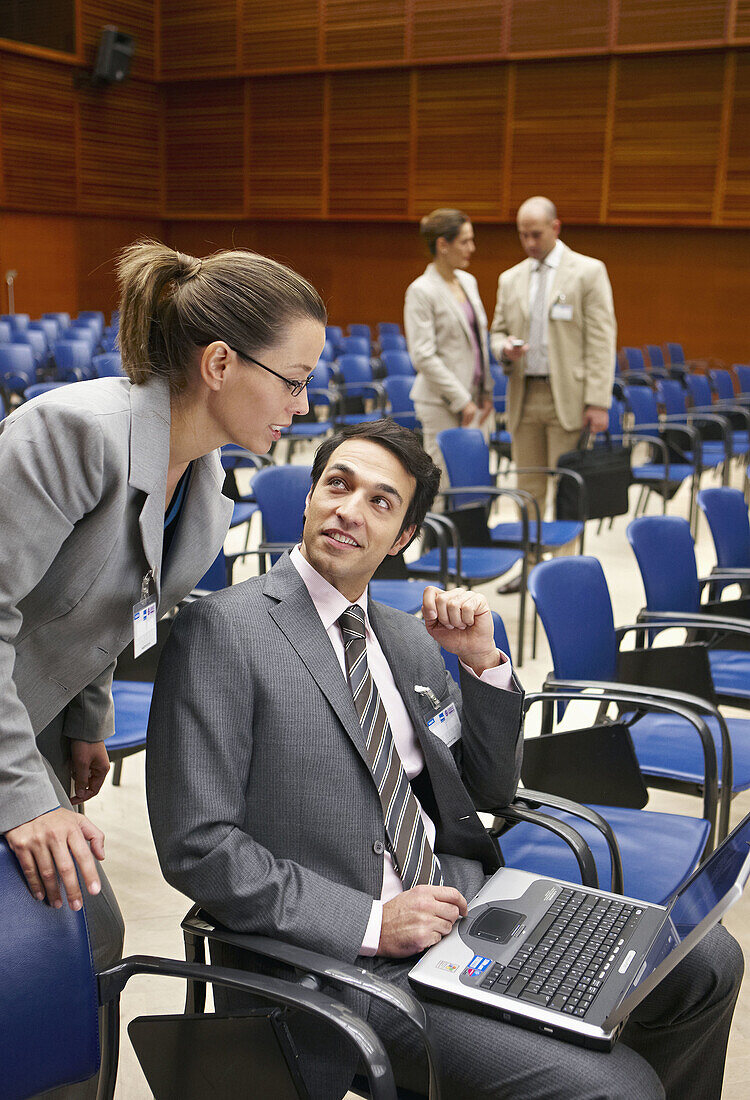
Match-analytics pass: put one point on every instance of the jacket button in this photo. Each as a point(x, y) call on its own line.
point(378, 847)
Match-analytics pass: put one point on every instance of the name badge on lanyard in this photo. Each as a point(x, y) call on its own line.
point(144, 619)
point(446, 723)
point(561, 310)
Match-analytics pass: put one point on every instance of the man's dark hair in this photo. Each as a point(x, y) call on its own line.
point(408, 450)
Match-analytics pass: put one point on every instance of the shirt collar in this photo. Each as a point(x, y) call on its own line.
point(329, 602)
point(553, 257)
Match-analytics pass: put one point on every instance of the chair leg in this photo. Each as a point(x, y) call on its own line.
point(109, 1041)
point(195, 994)
point(117, 772)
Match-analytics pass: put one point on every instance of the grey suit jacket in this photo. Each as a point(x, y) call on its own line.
point(439, 340)
point(581, 350)
point(262, 805)
point(83, 470)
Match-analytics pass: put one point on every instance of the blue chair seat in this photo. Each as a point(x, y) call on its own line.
point(132, 704)
point(554, 533)
point(404, 595)
point(680, 844)
point(654, 471)
point(359, 418)
point(477, 562)
point(730, 671)
point(661, 754)
point(243, 512)
point(308, 429)
point(501, 438)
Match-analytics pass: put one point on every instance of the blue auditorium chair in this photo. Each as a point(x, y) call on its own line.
point(397, 363)
point(392, 341)
point(17, 369)
point(73, 360)
point(400, 404)
point(108, 365)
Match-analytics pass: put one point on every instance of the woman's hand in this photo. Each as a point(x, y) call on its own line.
point(468, 413)
point(488, 407)
point(53, 845)
point(89, 765)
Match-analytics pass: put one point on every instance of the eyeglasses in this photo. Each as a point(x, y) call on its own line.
point(295, 388)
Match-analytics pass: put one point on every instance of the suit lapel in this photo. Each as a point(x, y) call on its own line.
point(559, 274)
point(448, 300)
point(296, 617)
point(149, 458)
point(524, 285)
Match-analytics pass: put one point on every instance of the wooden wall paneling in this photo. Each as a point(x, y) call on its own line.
point(645, 23)
point(369, 143)
point(538, 27)
point(736, 206)
point(559, 132)
point(286, 145)
point(36, 112)
point(741, 29)
point(507, 168)
point(460, 139)
point(612, 77)
point(2, 171)
point(279, 35)
point(136, 17)
point(204, 148)
point(198, 38)
point(727, 98)
point(118, 162)
point(666, 137)
point(370, 30)
point(444, 29)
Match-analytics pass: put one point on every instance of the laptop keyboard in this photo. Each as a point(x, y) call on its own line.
point(567, 957)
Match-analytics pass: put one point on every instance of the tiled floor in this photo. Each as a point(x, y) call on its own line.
point(152, 910)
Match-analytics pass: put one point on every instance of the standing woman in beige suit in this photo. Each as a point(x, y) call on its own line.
point(112, 503)
point(446, 333)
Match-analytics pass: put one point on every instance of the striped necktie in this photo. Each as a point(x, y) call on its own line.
point(407, 839)
point(536, 360)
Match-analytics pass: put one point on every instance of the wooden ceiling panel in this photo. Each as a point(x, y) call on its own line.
point(369, 143)
point(460, 139)
point(38, 132)
point(665, 139)
point(456, 28)
point(558, 135)
point(286, 145)
point(737, 189)
point(204, 147)
point(279, 35)
point(742, 20)
point(119, 162)
point(135, 17)
point(371, 30)
point(644, 22)
point(197, 37)
point(534, 28)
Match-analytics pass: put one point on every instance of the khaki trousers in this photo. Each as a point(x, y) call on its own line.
point(435, 419)
point(539, 439)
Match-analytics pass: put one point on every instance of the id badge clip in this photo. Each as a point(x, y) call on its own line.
point(561, 310)
point(144, 619)
point(446, 723)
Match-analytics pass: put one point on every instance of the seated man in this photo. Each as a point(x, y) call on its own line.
point(295, 790)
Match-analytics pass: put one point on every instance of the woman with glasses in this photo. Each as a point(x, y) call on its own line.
point(111, 511)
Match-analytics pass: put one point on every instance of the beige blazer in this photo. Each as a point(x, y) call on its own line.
point(581, 350)
point(439, 340)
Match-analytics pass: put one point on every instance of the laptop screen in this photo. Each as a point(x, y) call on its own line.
point(711, 882)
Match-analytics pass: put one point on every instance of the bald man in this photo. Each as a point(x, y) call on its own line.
point(554, 331)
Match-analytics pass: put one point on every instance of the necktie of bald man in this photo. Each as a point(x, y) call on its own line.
point(536, 362)
point(415, 861)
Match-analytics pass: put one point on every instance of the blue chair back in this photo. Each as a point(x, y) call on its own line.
point(616, 412)
point(362, 331)
point(49, 1028)
point(397, 362)
point(328, 354)
point(721, 380)
point(572, 599)
point(634, 359)
point(355, 369)
point(392, 341)
point(467, 460)
point(281, 492)
point(743, 376)
point(18, 321)
point(675, 353)
point(726, 512)
point(36, 340)
point(83, 330)
point(672, 396)
point(111, 341)
point(499, 389)
point(93, 317)
point(354, 345)
point(17, 370)
point(62, 319)
point(6, 332)
point(642, 403)
point(215, 577)
point(665, 552)
point(655, 355)
point(501, 641)
point(108, 365)
point(388, 328)
point(335, 334)
point(699, 389)
point(401, 405)
point(50, 328)
point(73, 359)
point(40, 387)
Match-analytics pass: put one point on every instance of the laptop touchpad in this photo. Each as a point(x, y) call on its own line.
point(496, 924)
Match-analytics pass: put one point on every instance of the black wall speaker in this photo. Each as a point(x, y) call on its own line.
point(114, 56)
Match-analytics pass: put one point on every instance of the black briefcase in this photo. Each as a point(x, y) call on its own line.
point(605, 470)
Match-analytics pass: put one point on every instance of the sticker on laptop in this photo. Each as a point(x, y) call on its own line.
point(478, 965)
point(445, 965)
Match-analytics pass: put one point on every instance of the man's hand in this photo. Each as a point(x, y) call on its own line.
point(468, 412)
point(89, 765)
point(512, 351)
point(418, 918)
point(488, 407)
point(461, 622)
point(595, 418)
point(53, 844)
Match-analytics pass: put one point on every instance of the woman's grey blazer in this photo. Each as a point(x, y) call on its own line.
point(439, 340)
point(83, 473)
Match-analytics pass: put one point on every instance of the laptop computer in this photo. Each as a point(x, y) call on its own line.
point(570, 961)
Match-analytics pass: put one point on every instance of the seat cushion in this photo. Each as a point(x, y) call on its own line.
point(651, 871)
point(670, 747)
point(477, 563)
point(730, 670)
point(557, 532)
point(243, 512)
point(132, 704)
point(405, 595)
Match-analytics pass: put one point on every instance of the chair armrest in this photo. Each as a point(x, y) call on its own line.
point(521, 499)
point(720, 573)
point(440, 527)
point(519, 811)
point(693, 620)
point(332, 1012)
